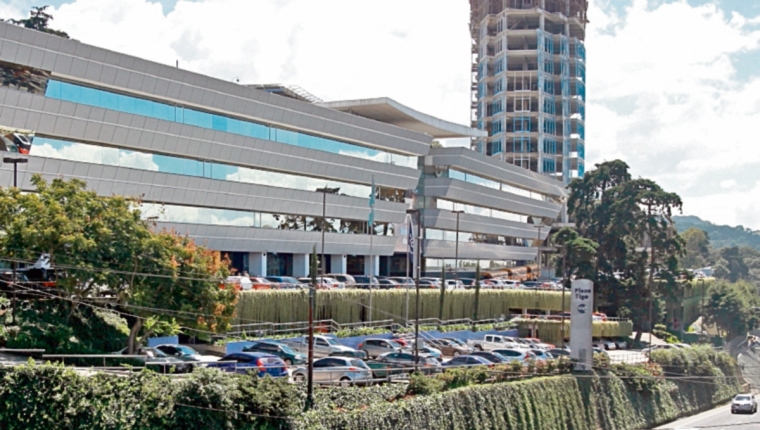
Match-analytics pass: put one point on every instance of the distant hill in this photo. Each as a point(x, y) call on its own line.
point(721, 236)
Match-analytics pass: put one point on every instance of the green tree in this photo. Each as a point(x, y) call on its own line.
point(730, 265)
point(730, 307)
point(631, 221)
point(577, 255)
point(162, 279)
point(38, 20)
point(697, 244)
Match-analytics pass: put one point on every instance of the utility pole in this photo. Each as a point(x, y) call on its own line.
point(456, 253)
point(310, 364)
point(416, 267)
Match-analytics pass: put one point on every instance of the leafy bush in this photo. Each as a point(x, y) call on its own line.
point(420, 384)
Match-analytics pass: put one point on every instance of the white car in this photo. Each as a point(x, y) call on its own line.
point(603, 344)
point(744, 403)
point(244, 282)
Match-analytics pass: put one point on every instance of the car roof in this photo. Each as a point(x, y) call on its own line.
point(255, 354)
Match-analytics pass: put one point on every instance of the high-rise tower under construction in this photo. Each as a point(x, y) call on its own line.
point(529, 83)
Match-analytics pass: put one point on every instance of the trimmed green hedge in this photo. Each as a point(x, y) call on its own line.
point(348, 306)
point(613, 398)
point(551, 331)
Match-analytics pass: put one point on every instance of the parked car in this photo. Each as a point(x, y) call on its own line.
point(337, 370)
point(323, 346)
point(259, 362)
point(402, 362)
point(541, 354)
point(492, 356)
point(457, 342)
point(468, 361)
point(323, 283)
point(453, 284)
point(601, 352)
point(620, 343)
point(557, 352)
point(289, 355)
point(531, 285)
point(186, 353)
point(744, 403)
point(425, 349)
point(450, 348)
point(603, 343)
point(260, 283)
point(521, 355)
point(404, 281)
point(376, 347)
point(347, 280)
point(286, 282)
point(240, 282)
point(388, 284)
point(160, 362)
point(493, 341)
point(364, 282)
point(429, 283)
point(537, 343)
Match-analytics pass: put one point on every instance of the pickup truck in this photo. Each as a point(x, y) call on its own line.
point(324, 346)
point(494, 341)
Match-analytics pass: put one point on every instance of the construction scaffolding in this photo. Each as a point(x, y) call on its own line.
point(528, 83)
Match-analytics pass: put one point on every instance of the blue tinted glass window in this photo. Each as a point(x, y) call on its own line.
point(163, 111)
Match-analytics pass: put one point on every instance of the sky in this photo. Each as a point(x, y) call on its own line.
point(673, 85)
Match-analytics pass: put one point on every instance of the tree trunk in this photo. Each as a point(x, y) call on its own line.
point(133, 332)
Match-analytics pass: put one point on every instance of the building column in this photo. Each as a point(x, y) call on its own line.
point(338, 263)
point(300, 265)
point(368, 265)
point(257, 264)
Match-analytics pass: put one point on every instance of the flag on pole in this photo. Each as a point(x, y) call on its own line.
point(371, 220)
point(410, 242)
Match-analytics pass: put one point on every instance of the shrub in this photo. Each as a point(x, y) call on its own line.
point(424, 385)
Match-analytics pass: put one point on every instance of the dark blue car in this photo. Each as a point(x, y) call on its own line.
point(262, 363)
point(467, 361)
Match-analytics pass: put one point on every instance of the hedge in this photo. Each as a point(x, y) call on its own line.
point(550, 331)
point(347, 306)
point(613, 397)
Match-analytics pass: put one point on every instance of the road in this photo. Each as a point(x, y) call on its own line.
point(717, 419)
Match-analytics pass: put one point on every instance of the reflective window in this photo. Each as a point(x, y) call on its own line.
point(238, 218)
point(477, 210)
point(82, 152)
point(133, 105)
point(475, 179)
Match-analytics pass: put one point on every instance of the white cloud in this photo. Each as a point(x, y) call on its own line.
point(42, 147)
point(417, 52)
point(664, 96)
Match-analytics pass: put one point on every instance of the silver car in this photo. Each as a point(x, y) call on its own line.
point(337, 370)
point(377, 347)
point(744, 403)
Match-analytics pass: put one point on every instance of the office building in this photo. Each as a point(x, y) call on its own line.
point(529, 83)
point(240, 168)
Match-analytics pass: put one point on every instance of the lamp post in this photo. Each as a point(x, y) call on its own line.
point(15, 161)
point(537, 222)
point(324, 190)
point(456, 252)
point(417, 263)
point(565, 280)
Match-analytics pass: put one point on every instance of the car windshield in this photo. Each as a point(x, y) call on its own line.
point(332, 341)
point(394, 344)
point(287, 350)
point(186, 350)
point(742, 398)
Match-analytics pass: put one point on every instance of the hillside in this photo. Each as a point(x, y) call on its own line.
point(721, 236)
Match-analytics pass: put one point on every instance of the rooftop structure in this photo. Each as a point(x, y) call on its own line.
point(528, 86)
point(392, 112)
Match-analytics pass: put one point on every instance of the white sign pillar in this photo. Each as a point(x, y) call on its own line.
point(581, 319)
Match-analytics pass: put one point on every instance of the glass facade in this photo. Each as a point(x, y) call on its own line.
point(477, 210)
point(238, 218)
point(82, 152)
point(475, 179)
point(167, 112)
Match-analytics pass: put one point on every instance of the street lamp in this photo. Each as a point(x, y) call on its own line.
point(325, 191)
point(15, 161)
point(416, 213)
point(456, 252)
point(565, 279)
